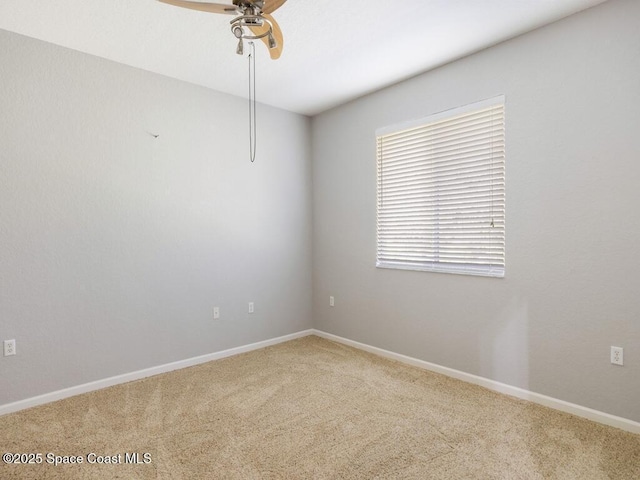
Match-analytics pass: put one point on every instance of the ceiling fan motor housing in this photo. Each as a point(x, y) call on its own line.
point(249, 7)
point(250, 22)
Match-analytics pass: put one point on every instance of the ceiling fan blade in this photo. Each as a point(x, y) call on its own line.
point(277, 34)
point(203, 7)
point(271, 6)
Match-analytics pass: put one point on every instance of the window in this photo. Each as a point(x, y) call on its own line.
point(441, 192)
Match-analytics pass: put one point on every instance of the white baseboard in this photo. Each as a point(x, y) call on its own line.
point(572, 408)
point(148, 372)
point(578, 410)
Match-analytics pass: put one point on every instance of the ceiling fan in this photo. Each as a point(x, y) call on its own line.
point(254, 15)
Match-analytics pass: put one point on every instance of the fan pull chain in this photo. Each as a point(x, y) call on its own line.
point(252, 103)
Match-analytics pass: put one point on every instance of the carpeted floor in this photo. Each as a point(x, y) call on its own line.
point(311, 409)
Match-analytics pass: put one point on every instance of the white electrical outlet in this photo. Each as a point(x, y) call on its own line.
point(251, 309)
point(9, 347)
point(617, 357)
point(216, 313)
point(332, 301)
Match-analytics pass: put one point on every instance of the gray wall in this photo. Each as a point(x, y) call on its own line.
point(573, 229)
point(114, 245)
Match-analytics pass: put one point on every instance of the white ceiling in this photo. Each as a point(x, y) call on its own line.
point(334, 50)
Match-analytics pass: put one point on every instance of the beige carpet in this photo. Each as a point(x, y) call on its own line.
point(313, 409)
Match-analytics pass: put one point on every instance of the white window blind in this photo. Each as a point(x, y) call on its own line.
point(441, 192)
